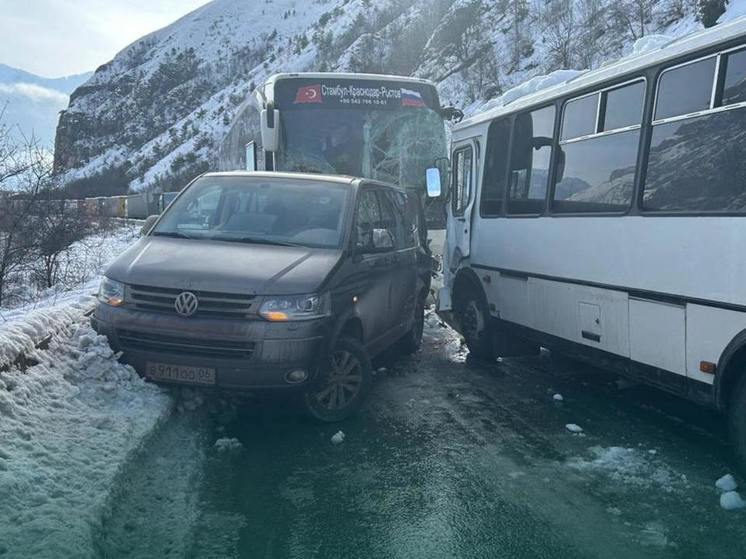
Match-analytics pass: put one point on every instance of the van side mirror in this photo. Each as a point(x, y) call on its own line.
point(148, 225)
point(270, 128)
point(434, 189)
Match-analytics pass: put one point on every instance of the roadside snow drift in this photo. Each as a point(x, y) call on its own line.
point(67, 426)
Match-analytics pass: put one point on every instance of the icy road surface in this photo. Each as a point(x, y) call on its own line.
point(448, 459)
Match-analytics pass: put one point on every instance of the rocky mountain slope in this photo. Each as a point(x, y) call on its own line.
point(155, 115)
point(31, 103)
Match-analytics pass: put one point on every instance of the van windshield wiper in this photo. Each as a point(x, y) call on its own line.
point(173, 234)
point(256, 241)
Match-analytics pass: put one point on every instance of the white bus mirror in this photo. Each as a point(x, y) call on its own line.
point(270, 126)
point(434, 189)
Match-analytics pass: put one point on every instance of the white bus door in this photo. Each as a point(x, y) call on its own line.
point(463, 173)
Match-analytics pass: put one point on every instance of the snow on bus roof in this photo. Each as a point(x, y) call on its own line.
point(649, 50)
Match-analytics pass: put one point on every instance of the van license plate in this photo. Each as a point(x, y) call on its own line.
point(179, 373)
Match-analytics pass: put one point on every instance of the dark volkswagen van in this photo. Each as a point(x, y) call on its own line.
point(255, 281)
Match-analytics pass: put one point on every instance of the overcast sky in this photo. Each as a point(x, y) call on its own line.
point(56, 38)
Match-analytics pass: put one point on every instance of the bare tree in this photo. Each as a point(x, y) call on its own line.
point(561, 31)
point(25, 173)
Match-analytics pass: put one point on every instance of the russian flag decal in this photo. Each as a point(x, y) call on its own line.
point(411, 98)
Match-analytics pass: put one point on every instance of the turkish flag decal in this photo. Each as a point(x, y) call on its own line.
point(309, 94)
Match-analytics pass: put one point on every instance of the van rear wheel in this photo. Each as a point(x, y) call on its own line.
point(344, 384)
point(737, 422)
point(473, 319)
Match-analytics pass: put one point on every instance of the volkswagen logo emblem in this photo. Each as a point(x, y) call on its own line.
point(186, 303)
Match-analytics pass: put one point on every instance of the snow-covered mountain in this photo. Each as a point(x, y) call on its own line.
point(32, 102)
point(156, 114)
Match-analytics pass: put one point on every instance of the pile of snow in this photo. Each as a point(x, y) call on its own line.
point(557, 398)
point(730, 499)
point(67, 426)
point(228, 445)
point(628, 466)
point(338, 437)
point(529, 87)
point(650, 43)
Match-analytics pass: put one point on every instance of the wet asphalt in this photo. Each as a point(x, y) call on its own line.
point(448, 459)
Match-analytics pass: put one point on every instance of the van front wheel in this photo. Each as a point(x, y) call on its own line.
point(473, 320)
point(737, 421)
point(344, 384)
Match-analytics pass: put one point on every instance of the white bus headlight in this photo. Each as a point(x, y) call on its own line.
point(111, 292)
point(296, 307)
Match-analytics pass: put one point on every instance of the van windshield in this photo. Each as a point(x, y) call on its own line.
point(253, 210)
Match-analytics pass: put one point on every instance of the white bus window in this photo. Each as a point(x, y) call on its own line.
point(599, 174)
point(462, 166)
point(686, 89)
point(623, 106)
point(495, 168)
point(529, 161)
point(580, 117)
point(698, 164)
point(734, 88)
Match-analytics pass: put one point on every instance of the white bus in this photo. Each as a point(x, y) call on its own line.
point(606, 218)
point(388, 128)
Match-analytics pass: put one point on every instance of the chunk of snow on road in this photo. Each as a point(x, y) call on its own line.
point(67, 427)
point(557, 398)
point(228, 445)
point(726, 483)
point(629, 466)
point(574, 428)
point(338, 437)
point(731, 500)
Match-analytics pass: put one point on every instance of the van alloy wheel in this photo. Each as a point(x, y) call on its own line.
point(343, 385)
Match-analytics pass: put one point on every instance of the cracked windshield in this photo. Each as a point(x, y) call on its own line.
point(372, 279)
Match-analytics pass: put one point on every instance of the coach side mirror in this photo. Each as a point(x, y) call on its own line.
point(432, 176)
point(148, 225)
point(270, 128)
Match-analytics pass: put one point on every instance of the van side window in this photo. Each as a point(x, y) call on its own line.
point(686, 89)
point(389, 232)
point(530, 158)
point(405, 218)
point(734, 87)
point(461, 176)
point(495, 168)
point(367, 218)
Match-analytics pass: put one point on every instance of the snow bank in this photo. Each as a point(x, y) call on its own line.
point(67, 426)
point(228, 445)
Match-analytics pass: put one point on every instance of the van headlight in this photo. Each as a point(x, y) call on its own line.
point(296, 307)
point(111, 292)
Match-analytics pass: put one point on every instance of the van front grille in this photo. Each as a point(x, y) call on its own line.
point(148, 341)
point(212, 304)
